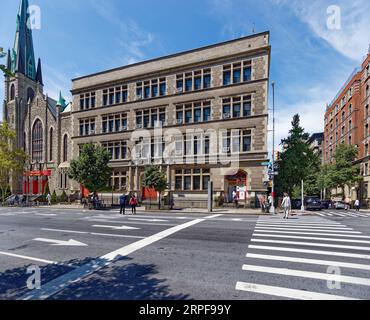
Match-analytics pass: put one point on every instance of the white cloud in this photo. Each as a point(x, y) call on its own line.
point(353, 36)
point(130, 36)
point(56, 81)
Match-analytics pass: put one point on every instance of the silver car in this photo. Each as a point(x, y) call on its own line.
point(339, 205)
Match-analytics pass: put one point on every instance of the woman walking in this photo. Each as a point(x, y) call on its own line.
point(133, 204)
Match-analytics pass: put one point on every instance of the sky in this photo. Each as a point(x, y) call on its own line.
point(316, 44)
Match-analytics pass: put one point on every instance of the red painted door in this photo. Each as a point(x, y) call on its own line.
point(35, 186)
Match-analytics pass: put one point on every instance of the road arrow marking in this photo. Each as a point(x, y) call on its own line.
point(148, 220)
point(69, 243)
point(115, 227)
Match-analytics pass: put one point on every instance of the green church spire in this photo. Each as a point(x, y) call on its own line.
point(22, 55)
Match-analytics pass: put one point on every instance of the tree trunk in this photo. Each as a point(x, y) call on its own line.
point(159, 201)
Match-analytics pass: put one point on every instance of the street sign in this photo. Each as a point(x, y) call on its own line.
point(266, 164)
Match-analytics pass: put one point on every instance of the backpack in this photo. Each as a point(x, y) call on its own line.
point(133, 202)
point(122, 200)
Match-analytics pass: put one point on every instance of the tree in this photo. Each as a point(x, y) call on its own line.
point(11, 160)
point(3, 68)
point(298, 162)
point(54, 197)
point(91, 168)
point(156, 179)
point(343, 172)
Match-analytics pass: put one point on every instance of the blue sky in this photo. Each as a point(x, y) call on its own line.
point(309, 62)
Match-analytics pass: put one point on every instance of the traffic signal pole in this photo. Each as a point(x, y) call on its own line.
point(273, 148)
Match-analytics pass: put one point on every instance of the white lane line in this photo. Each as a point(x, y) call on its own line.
point(58, 284)
point(62, 230)
point(94, 233)
point(340, 214)
point(116, 235)
point(214, 216)
point(314, 233)
point(116, 227)
point(311, 238)
point(309, 261)
point(329, 214)
point(148, 220)
point(45, 214)
point(27, 257)
point(313, 244)
point(286, 292)
point(321, 214)
point(305, 229)
point(131, 222)
point(308, 274)
point(319, 252)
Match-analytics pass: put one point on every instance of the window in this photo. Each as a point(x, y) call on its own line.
point(200, 110)
point(37, 141)
point(118, 150)
point(366, 149)
point(350, 109)
point(30, 94)
point(87, 101)
point(154, 118)
point(195, 80)
point(367, 91)
point(118, 181)
point(114, 123)
point(206, 78)
point(366, 171)
point(162, 87)
point(87, 127)
point(349, 125)
point(189, 83)
point(237, 70)
point(51, 144)
point(232, 107)
point(192, 179)
point(241, 141)
point(65, 148)
point(12, 92)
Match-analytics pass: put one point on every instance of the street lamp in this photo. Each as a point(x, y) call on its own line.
point(273, 148)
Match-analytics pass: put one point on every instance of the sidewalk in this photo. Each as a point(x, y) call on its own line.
point(242, 211)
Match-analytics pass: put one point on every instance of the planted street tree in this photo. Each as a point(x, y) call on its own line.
point(343, 172)
point(3, 68)
point(298, 162)
point(154, 178)
point(91, 168)
point(11, 160)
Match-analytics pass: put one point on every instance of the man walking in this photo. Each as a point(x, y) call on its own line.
point(48, 198)
point(270, 201)
point(286, 204)
point(357, 205)
point(122, 204)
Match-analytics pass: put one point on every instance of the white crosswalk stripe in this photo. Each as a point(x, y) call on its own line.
point(283, 253)
point(344, 214)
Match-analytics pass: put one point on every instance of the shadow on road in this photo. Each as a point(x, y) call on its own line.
point(121, 280)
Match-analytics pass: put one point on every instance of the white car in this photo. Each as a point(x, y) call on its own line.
point(339, 205)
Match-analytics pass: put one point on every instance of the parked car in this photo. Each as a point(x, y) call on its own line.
point(339, 205)
point(12, 200)
point(312, 203)
point(325, 204)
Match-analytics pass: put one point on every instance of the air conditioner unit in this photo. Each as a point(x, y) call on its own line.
point(226, 115)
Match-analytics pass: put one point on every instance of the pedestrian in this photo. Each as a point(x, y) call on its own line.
point(122, 203)
point(347, 203)
point(357, 205)
point(133, 204)
point(286, 204)
point(270, 202)
point(263, 204)
point(236, 200)
point(48, 198)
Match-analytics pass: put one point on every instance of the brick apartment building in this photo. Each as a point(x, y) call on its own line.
point(347, 121)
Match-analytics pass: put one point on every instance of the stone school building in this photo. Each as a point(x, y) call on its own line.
point(201, 115)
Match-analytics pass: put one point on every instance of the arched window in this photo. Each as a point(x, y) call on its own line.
point(65, 148)
point(37, 141)
point(51, 145)
point(30, 94)
point(12, 92)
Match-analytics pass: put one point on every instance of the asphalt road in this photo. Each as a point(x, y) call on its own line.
point(103, 255)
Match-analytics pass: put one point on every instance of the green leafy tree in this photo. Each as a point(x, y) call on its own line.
point(154, 178)
point(298, 162)
point(3, 68)
point(91, 168)
point(343, 172)
point(11, 160)
point(64, 197)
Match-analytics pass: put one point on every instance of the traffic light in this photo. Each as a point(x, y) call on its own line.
point(278, 156)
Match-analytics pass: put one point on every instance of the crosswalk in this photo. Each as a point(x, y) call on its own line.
point(308, 258)
point(344, 214)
